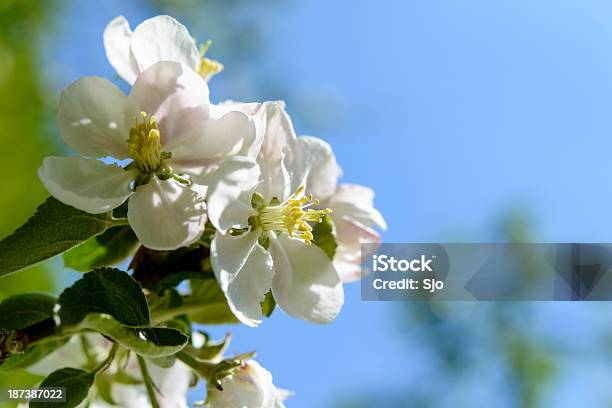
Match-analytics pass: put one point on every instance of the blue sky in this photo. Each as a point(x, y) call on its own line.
point(454, 112)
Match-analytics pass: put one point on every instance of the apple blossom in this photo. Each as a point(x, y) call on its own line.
point(165, 128)
point(312, 162)
point(160, 38)
point(248, 386)
point(263, 241)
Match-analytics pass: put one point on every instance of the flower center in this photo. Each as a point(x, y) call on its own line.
point(293, 216)
point(208, 67)
point(144, 144)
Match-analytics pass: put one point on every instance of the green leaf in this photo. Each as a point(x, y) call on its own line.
point(53, 229)
point(268, 304)
point(77, 383)
point(32, 355)
point(210, 350)
point(20, 311)
point(109, 248)
point(104, 386)
point(325, 236)
point(149, 342)
point(212, 306)
point(104, 290)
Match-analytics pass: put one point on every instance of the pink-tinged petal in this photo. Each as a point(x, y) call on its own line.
point(166, 215)
point(249, 386)
point(86, 184)
point(244, 271)
point(92, 119)
point(117, 37)
point(356, 202)
point(349, 257)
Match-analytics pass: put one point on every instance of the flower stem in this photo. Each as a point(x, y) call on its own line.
point(203, 368)
point(108, 360)
point(148, 381)
point(118, 222)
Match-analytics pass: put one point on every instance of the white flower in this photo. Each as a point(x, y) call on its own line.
point(263, 238)
point(165, 128)
point(160, 38)
point(312, 163)
point(249, 386)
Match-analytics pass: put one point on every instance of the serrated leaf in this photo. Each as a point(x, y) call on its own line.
point(107, 249)
point(325, 236)
point(20, 311)
point(53, 229)
point(149, 342)
point(77, 383)
point(213, 306)
point(104, 290)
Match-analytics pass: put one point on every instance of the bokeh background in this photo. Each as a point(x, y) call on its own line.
point(474, 121)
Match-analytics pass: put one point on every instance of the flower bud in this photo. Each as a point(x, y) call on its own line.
point(249, 385)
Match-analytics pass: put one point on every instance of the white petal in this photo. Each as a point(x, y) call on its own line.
point(170, 91)
point(349, 237)
point(279, 138)
point(166, 215)
point(275, 180)
point(248, 386)
point(279, 131)
point(254, 110)
point(306, 284)
point(356, 203)
point(173, 384)
point(232, 134)
point(244, 271)
point(117, 36)
point(86, 184)
point(313, 164)
point(92, 119)
point(229, 193)
point(162, 38)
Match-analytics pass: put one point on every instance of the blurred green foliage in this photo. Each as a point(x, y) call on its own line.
point(24, 122)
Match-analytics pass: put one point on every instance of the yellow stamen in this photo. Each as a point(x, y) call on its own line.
point(292, 216)
point(144, 145)
point(208, 67)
